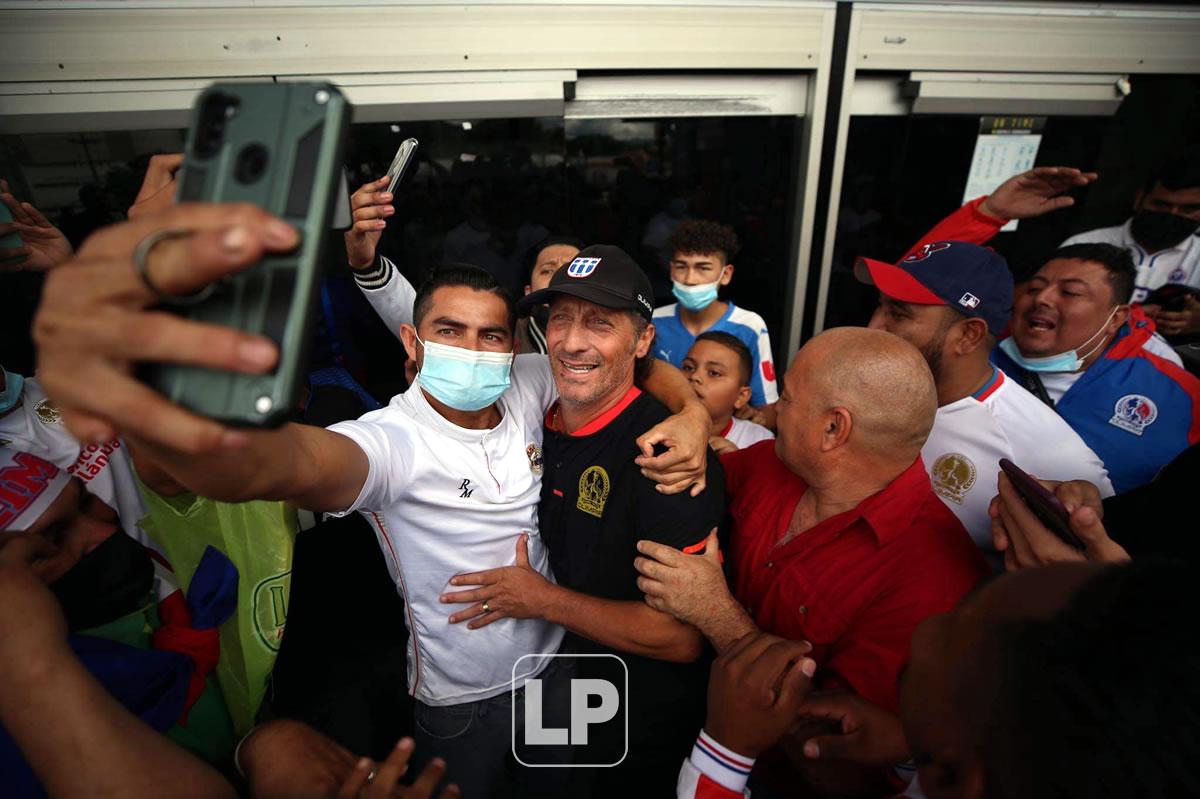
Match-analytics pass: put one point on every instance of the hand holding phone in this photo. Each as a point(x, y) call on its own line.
point(277, 146)
point(1047, 507)
point(1171, 297)
point(371, 206)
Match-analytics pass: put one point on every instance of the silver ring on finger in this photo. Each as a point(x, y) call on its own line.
point(142, 252)
point(371, 776)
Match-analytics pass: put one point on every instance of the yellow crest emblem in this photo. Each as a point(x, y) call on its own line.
point(594, 486)
point(952, 476)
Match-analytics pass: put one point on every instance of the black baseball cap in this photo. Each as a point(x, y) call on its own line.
point(602, 274)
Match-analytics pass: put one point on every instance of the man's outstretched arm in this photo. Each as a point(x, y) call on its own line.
point(1031, 194)
point(306, 466)
point(95, 324)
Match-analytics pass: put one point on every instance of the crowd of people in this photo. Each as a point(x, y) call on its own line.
point(817, 578)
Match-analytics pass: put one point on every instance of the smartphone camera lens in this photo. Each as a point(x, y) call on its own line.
point(218, 108)
point(251, 163)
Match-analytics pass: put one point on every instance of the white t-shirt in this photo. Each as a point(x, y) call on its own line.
point(36, 427)
point(1179, 264)
point(745, 433)
point(444, 500)
point(1058, 383)
point(1003, 420)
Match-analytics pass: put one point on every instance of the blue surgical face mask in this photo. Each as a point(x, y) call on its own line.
point(11, 395)
point(1069, 361)
point(466, 380)
point(696, 298)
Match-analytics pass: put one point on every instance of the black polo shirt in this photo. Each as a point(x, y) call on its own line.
point(595, 506)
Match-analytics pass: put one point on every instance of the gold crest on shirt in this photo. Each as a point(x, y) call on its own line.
point(46, 412)
point(594, 486)
point(953, 475)
point(536, 464)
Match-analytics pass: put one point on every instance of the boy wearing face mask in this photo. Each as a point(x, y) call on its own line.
point(702, 262)
point(1163, 235)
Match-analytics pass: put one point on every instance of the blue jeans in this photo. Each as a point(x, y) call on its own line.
point(476, 738)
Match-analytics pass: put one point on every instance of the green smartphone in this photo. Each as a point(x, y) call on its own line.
point(9, 240)
point(278, 146)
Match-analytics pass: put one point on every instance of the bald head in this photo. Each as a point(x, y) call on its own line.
point(881, 380)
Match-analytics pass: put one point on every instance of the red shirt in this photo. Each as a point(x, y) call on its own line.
point(855, 585)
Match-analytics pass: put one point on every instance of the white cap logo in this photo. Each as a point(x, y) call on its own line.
point(582, 267)
point(969, 300)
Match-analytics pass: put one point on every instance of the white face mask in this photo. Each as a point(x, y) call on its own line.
point(1069, 361)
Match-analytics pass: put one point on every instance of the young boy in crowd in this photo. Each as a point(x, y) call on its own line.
point(719, 366)
point(702, 262)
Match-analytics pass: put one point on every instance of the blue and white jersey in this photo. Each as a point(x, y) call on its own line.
point(1134, 408)
point(1178, 264)
point(672, 342)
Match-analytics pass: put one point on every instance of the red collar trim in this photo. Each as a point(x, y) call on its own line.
point(728, 427)
point(601, 421)
point(991, 386)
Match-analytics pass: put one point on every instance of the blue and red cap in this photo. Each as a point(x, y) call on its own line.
point(973, 280)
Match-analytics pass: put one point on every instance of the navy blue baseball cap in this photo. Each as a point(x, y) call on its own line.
point(973, 280)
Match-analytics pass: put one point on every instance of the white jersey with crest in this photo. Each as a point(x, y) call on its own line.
point(35, 426)
point(1001, 420)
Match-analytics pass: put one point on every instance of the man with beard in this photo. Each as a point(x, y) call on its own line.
point(951, 300)
point(1078, 344)
point(1163, 235)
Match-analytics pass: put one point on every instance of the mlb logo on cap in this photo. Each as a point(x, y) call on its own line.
point(582, 267)
point(969, 300)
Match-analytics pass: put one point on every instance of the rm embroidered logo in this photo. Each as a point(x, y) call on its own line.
point(594, 486)
point(466, 489)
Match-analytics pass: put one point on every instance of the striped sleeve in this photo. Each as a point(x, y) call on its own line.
point(713, 771)
point(388, 292)
point(376, 275)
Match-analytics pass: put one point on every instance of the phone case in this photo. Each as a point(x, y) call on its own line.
point(404, 156)
point(1047, 507)
point(278, 146)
